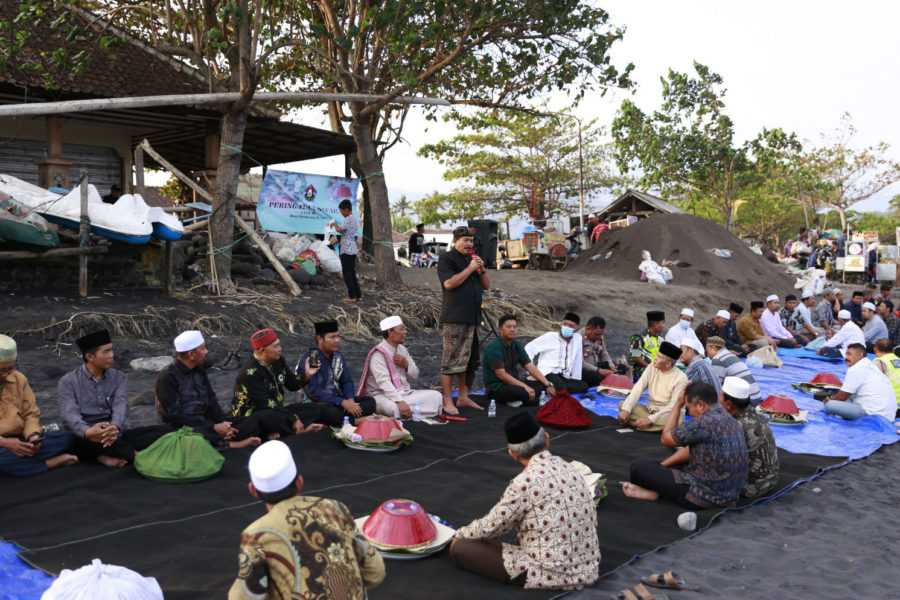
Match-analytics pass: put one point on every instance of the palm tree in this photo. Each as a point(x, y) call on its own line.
point(402, 205)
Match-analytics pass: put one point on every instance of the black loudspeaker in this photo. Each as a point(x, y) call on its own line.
point(486, 237)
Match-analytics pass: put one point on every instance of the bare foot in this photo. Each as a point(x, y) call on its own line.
point(63, 460)
point(469, 403)
point(449, 408)
point(635, 491)
point(245, 443)
point(109, 461)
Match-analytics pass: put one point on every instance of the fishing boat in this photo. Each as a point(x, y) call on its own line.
point(21, 226)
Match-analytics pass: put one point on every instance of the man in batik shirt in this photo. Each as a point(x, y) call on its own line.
point(762, 454)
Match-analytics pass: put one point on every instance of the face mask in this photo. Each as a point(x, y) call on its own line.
point(566, 331)
point(684, 324)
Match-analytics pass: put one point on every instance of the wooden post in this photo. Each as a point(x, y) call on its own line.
point(168, 267)
point(84, 236)
point(199, 190)
point(139, 170)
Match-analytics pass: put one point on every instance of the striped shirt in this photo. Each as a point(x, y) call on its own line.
point(699, 370)
point(823, 315)
point(727, 364)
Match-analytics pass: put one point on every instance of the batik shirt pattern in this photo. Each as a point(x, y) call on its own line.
point(763, 468)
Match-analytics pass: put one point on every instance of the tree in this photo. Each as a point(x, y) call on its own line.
point(851, 175)
point(498, 53)
point(235, 44)
point(515, 163)
point(402, 206)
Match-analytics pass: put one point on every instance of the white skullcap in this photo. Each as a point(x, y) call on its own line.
point(103, 582)
point(845, 315)
point(390, 323)
point(693, 342)
point(724, 314)
point(837, 291)
point(188, 340)
point(687, 312)
point(806, 295)
point(827, 291)
point(772, 298)
point(272, 467)
point(8, 351)
point(736, 388)
point(869, 306)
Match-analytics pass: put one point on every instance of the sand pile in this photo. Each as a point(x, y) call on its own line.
point(688, 242)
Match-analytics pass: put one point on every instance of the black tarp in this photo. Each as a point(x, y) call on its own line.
point(187, 535)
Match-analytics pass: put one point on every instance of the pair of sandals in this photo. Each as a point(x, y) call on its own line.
point(668, 581)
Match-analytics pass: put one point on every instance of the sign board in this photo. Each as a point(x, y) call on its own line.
point(302, 203)
point(870, 237)
point(855, 259)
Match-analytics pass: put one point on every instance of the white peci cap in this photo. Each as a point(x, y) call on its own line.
point(845, 315)
point(724, 314)
point(772, 298)
point(869, 306)
point(272, 467)
point(736, 387)
point(188, 340)
point(687, 312)
point(390, 322)
point(693, 342)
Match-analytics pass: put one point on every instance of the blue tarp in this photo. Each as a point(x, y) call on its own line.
point(823, 435)
point(18, 581)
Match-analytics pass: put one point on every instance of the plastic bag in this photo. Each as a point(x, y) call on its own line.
point(98, 581)
point(767, 356)
point(328, 260)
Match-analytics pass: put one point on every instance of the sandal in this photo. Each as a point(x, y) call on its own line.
point(456, 418)
point(638, 592)
point(668, 580)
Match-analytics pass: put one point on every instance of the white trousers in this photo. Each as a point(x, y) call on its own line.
point(428, 401)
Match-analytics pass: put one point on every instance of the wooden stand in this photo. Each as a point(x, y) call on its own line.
point(84, 237)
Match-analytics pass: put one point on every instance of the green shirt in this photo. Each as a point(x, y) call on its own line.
point(498, 355)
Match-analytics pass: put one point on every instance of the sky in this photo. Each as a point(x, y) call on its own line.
point(794, 64)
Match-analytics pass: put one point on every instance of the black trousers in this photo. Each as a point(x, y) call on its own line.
point(261, 424)
point(575, 386)
point(129, 442)
point(484, 557)
point(514, 393)
point(333, 416)
point(348, 268)
point(651, 475)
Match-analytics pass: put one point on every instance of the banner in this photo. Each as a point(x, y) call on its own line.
point(302, 203)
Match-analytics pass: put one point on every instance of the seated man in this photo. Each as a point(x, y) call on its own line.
point(886, 312)
point(713, 326)
point(750, 328)
point(645, 345)
point(596, 362)
point(186, 398)
point(874, 328)
point(729, 331)
point(331, 388)
point(666, 385)
point(796, 320)
point(303, 547)
point(502, 358)
point(712, 449)
point(551, 510)
point(263, 380)
point(762, 454)
point(386, 375)
point(93, 403)
point(866, 390)
point(726, 363)
point(558, 355)
point(888, 363)
point(772, 325)
point(697, 367)
point(823, 314)
point(25, 448)
point(848, 333)
point(685, 324)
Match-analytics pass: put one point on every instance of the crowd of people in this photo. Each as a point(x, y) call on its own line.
point(724, 452)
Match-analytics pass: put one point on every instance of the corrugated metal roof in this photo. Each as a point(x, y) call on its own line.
point(654, 201)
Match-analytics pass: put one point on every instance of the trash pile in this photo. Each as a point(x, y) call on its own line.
point(304, 256)
point(685, 250)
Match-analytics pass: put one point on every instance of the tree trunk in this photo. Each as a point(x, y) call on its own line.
point(234, 124)
point(386, 271)
point(843, 216)
point(368, 245)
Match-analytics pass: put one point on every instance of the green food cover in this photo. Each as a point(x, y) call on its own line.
point(182, 456)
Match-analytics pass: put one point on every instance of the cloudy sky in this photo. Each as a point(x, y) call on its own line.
point(793, 64)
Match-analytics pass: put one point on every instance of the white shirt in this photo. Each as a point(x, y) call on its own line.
point(871, 389)
point(849, 333)
point(553, 354)
point(677, 334)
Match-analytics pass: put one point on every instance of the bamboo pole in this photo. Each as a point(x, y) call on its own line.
point(84, 236)
point(263, 246)
point(73, 106)
point(52, 253)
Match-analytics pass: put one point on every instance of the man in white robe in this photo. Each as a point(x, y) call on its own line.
point(386, 375)
point(683, 329)
point(558, 355)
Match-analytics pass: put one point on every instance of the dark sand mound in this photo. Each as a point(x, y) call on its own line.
point(686, 240)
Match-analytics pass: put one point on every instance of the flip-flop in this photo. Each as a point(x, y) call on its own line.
point(668, 581)
point(638, 592)
point(457, 418)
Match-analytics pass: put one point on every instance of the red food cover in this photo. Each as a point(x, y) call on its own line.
point(565, 412)
point(619, 382)
point(780, 404)
point(376, 428)
point(400, 523)
point(827, 379)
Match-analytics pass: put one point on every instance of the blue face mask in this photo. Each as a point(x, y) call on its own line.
point(684, 324)
point(566, 331)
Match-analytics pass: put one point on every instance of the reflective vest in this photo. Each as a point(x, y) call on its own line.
point(892, 369)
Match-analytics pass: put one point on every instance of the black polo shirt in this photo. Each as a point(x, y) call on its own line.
point(461, 305)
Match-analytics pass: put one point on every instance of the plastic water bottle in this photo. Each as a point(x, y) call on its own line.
point(346, 421)
point(492, 408)
point(543, 399)
point(416, 413)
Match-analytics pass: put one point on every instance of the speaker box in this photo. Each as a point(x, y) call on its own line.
point(486, 238)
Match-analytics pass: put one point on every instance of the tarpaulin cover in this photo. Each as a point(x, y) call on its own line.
point(824, 435)
point(18, 581)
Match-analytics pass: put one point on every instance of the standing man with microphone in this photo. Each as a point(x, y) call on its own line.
point(463, 281)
